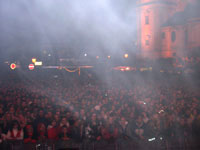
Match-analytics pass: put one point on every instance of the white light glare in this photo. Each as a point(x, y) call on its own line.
point(152, 139)
point(161, 111)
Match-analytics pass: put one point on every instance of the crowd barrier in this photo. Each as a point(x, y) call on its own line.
point(100, 145)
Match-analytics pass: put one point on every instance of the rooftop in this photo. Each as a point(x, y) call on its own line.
point(192, 10)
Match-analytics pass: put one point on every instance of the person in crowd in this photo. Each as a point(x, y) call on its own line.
point(15, 132)
point(76, 131)
point(92, 129)
point(139, 129)
point(124, 129)
point(2, 136)
point(7, 122)
point(29, 135)
point(53, 131)
point(41, 118)
point(95, 111)
point(2, 140)
point(64, 134)
point(64, 122)
point(109, 131)
point(41, 130)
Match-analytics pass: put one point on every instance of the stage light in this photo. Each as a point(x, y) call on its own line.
point(125, 55)
point(109, 57)
point(127, 68)
point(85, 54)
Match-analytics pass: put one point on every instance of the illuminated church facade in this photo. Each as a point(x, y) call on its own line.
point(168, 28)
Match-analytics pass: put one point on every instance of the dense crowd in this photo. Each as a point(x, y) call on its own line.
point(59, 108)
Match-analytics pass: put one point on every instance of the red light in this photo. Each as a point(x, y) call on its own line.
point(31, 67)
point(13, 66)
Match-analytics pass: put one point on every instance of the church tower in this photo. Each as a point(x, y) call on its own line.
point(152, 14)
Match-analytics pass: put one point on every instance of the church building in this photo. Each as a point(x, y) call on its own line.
point(168, 28)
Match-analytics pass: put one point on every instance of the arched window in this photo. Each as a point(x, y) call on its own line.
point(163, 35)
point(147, 42)
point(173, 36)
point(186, 36)
point(146, 19)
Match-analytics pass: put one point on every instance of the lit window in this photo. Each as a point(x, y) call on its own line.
point(186, 36)
point(146, 19)
point(163, 35)
point(173, 36)
point(147, 42)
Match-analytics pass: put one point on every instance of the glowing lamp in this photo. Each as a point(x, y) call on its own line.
point(125, 55)
point(13, 66)
point(34, 60)
point(109, 57)
point(127, 68)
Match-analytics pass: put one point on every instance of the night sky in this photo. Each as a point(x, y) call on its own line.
point(30, 27)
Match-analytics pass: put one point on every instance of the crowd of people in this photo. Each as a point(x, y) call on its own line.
point(135, 109)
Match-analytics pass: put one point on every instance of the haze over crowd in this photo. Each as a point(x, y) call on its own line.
point(29, 27)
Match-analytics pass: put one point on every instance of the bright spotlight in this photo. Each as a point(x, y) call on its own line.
point(125, 55)
point(109, 57)
point(127, 68)
point(85, 54)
